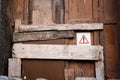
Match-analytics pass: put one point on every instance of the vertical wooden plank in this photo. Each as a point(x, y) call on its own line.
point(43, 9)
point(83, 68)
point(110, 11)
point(111, 52)
point(66, 3)
point(14, 69)
point(69, 74)
point(99, 66)
point(101, 11)
point(96, 38)
point(15, 11)
point(77, 11)
point(26, 11)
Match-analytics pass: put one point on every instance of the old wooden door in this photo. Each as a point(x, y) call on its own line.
point(75, 12)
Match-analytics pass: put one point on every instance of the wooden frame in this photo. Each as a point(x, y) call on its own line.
point(21, 51)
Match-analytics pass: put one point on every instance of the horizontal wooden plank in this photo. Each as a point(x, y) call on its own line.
point(30, 36)
point(85, 78)
point(69, 52)
point(83, 26)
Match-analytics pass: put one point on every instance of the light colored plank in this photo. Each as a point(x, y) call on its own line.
point(84, 26)
point(46, 35)
point(85, 78)
point(14, 69)
point(42, 4)
point(69, 74)
point(17, 24)
point(45, 17)
point(99, 67)
point(70, 52)
point(113, 79)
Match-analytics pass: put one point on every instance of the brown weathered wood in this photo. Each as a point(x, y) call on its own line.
point(14, 69)
point(77, 11)
point(70, 52)
point(110, 11)
point(69, 74)
point(26, 11)
point(84, 26)
point(112, 57)
point(43, 9)
point(46, 35)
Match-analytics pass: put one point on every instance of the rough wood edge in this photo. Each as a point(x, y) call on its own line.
point(74, 52)
point(82, 26)
point(46, 35)
point(14, 69)
point(99, 66)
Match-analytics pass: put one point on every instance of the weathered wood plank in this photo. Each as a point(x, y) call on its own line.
point(69, 74)
point(100, 67)
point(19, 37)
point(43, 9)
point(85, 78)
point(71, 52)
point(84, 26)
point(113, 79)
point(14, 69)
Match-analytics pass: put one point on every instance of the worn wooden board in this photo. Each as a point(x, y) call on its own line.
point(69, 74)
point(85, 78)
point(14, 69)
point(43, 9)
point(82, 26)
point(46, 35)
point(71, 52)
point(77, 11)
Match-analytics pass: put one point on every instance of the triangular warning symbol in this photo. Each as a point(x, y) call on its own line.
point(83, 40)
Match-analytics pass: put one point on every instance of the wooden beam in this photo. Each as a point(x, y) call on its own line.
point(99, 67)
point(69, 52)
point(30, 36)
point(85, 78)
point(14, 69)
point(84, 26)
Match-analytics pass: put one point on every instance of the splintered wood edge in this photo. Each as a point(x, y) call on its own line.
point(83, 26)
point(65, 52)
point(46, 35)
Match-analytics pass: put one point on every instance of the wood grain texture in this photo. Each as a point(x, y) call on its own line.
point(85, 78)
point(43, 9)
point(110, 11)
point(82, 26)
point(71, 52)
point(112, 57)
point(46, 35)
point(77, 11)
point(69, 74)
point(14, 69)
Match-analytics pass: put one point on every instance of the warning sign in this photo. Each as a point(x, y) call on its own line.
point(83, 38)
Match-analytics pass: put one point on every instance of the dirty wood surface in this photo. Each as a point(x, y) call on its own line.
point(70, 52)
point(82, 26)
point(46, 35)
